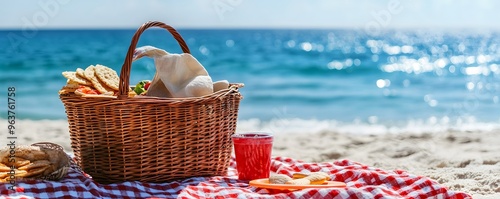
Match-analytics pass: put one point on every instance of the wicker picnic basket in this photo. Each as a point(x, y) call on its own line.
point(151, 139)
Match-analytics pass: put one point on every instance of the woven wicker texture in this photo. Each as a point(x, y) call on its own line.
point(151, 139)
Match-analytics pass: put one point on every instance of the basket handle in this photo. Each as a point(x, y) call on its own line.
point(125, 72)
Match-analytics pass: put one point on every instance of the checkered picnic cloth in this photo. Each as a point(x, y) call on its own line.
point(362, 182)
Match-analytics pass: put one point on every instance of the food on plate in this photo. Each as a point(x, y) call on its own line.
point(314, 178)
point(279, 179)
point(301, 181)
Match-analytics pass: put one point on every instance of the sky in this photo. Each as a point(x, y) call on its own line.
point(374, 14)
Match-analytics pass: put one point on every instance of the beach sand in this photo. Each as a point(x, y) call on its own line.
point(462, 161)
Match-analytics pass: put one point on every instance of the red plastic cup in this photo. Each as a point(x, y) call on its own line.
point(253, 155)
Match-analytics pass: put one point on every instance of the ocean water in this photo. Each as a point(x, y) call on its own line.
point(299, 80)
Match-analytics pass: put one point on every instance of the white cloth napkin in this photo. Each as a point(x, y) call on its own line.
point(177, 75)
point(220, 85)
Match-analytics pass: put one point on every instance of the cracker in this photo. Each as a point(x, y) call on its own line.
point(301, 181)
point(299, 175)
point(80, 72)
point(279, 179)
point(107, 76)
point(3, 175)
point(71, 84)
point(4, 168)
point(35, 172)
point(21, 162)
point(90, 74)
point(77, 92)
point(66, 91)
point(325, 175)
point(5, 179)
point(110, 93)
point(314, 178)
point(35, 164)
point(317, 178)
point(20, 173)
point(76, 78)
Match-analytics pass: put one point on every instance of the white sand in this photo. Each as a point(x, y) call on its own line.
point(462, 161)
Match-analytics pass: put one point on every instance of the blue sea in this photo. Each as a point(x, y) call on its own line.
point(310, 80)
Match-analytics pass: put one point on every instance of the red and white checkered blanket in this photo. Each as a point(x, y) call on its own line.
point(362, 182)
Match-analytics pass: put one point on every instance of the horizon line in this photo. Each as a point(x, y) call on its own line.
point(473, 29)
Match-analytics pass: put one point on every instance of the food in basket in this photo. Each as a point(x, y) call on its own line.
point(31, 162)
point(315, 178)
point(177, 75)
point(93, 80)
point(142, 87)
point(107, 76)
point(72, 85)
point(81, 73)
point(97, 83)
point(72, 76)
point(86, 90)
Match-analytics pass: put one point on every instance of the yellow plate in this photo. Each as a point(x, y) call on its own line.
point(264, 183)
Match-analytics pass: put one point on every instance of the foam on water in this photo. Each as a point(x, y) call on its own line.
point(297, 125)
